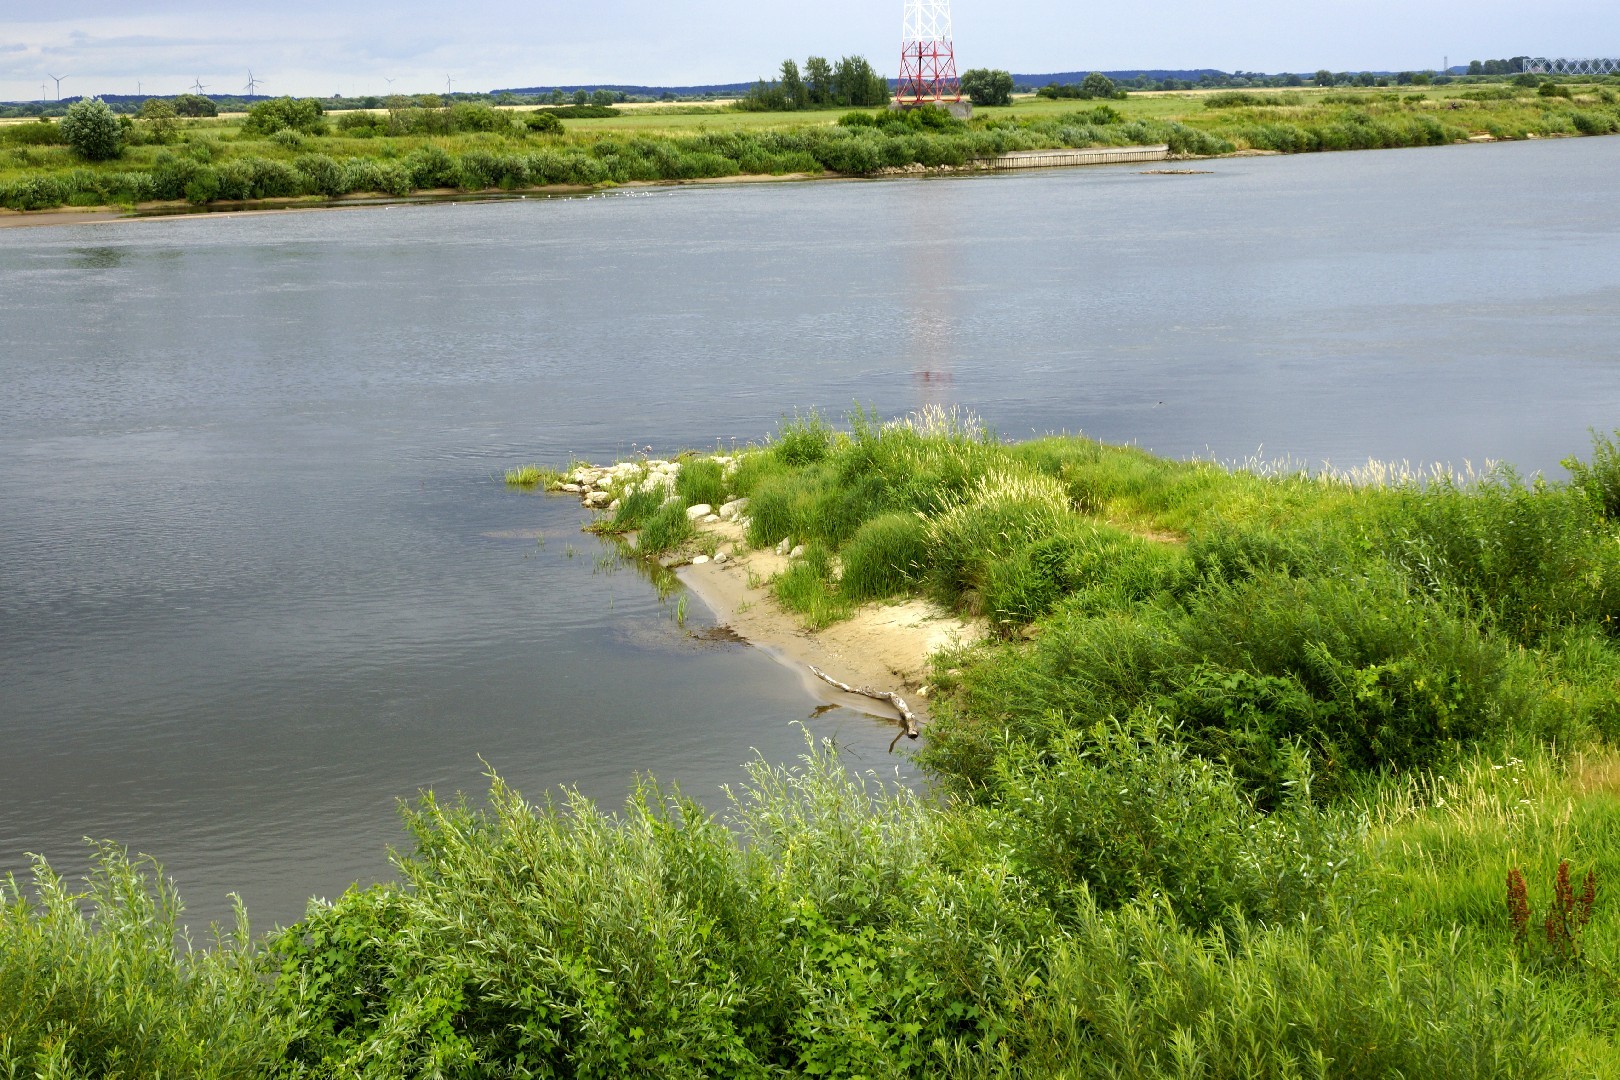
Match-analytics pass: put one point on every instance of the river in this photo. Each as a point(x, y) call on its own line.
point(259, 578)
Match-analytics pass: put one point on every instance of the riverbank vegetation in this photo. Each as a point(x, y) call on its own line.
point(289, 150)
point(1262, 773)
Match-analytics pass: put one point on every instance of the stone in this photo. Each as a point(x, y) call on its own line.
point(721, 557)
point(797, 552)
point(614, 505)
point(732, 509)
point(699, 560)
point(573, 488)
point(597, 499)
point(701, 510)
point(785, 546)
point(711, 519)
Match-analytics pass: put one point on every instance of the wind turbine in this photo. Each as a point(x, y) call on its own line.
point(58, 79)
point(447, 86)
point(198, 85)
point(390, 83)
point(252, 86)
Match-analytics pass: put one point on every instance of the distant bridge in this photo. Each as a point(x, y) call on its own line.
point(1540, 65)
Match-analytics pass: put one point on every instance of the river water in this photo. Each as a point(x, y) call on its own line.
point(259, 578)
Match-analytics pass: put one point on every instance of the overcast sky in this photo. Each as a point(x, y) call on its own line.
point(352, 46)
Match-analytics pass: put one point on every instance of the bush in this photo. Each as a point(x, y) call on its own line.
point(1599, 481)
point(1121, 812)
point(432, 167)
point(363, 123)
point(543, 122)
point(92, 130)
point(321, 175)
point(105, 982)
point(299, 114)
point(475, 116)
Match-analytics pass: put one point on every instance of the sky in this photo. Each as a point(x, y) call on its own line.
point(352, 47)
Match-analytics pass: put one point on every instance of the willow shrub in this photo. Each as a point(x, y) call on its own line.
point(103, 982)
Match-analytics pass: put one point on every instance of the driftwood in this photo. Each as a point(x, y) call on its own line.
point(908, 719)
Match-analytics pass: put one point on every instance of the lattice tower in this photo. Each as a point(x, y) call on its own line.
point(927, 55)
point(1566, 66)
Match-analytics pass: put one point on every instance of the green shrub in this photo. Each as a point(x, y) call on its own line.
point(1599, 480)
point(105, 982)
point(203, 186)
point(92, 130)
point(432, 167)
point(298, 114)
point(321, 175)
point(542, 122)
point(1122, 812)
point(887, 555)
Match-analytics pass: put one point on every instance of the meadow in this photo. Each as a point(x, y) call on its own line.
point(233, 161)
point(1261, 773)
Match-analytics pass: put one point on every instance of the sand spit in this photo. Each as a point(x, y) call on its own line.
point(885, 647)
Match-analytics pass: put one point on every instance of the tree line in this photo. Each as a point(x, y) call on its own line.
point(850, 83)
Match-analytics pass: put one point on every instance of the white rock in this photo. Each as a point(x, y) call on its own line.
point(797, 552)
point(573, 488)
point(597, 499)
point(711, 519)
point(733, 508)
point(785, 546)
point(699, 560)
point(614, 505)
point(721, 557)
point(701, 510)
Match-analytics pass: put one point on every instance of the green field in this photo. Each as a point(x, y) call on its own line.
point(224, 161)
point(1259, 774)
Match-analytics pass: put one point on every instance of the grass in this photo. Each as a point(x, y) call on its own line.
point(532, 476)
point(1247, 785)
point(216, 160)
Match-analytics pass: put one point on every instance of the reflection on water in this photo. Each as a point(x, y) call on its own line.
point(259, 577)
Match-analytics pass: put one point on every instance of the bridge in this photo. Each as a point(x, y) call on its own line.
point(1540, 65)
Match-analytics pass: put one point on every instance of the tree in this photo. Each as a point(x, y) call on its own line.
point(602, 98)
point(1475, 67)
point(818, 79)
point(1323, 77)
point(1098, 85)
point(559, 98)
point(856, 84)
point(795, 94)
point(581, 97)
point(160, 119)
point(195, 105)
point(986, 87)
point(92, 130)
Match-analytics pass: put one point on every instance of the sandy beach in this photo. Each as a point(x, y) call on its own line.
point(883, 647)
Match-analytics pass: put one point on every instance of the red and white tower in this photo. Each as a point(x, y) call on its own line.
point(927, 57)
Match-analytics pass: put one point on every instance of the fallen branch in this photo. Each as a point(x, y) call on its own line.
point(907, 717)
